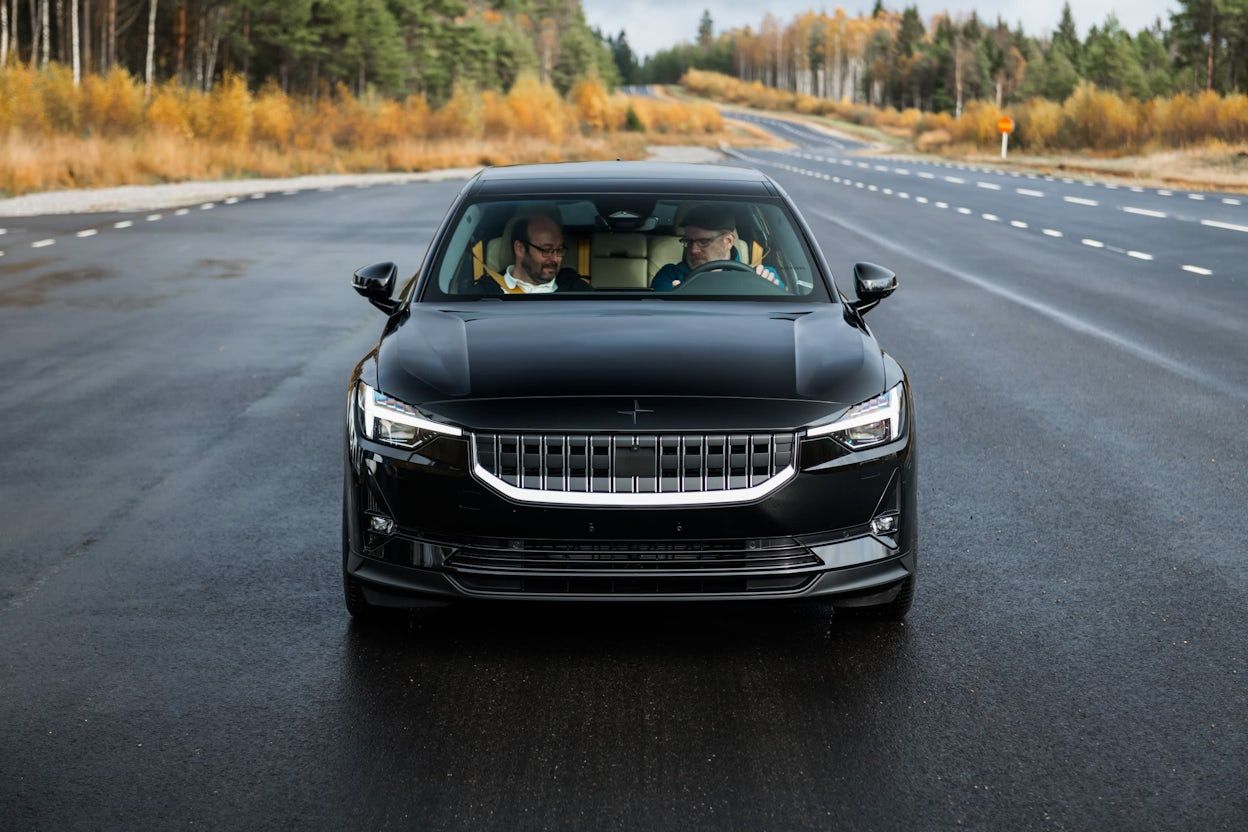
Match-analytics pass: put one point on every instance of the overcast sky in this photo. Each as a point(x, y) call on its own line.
point(656, 24)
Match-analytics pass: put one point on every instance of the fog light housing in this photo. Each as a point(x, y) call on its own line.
point(884, 525)
point(381, 525)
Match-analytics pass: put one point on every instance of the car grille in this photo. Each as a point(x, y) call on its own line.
point(634, 469)
point(635, 557)
point(633, 586)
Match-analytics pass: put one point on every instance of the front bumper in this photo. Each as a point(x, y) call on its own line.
point(454, 537)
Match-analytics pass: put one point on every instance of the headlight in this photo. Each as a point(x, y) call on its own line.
point(872, 422)
point(393, 422)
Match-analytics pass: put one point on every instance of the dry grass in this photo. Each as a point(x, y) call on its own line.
point(53, 135)
point(1090, 120)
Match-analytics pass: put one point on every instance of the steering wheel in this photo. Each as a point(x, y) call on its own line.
point(732, 277)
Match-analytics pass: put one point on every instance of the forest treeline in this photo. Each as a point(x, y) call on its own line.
point(896, 59)
point(396, 47)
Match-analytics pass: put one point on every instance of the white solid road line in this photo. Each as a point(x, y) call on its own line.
point(988, 186)
point(1078, 200)
point(1197, 270)
point(1092, 243)
point(1052, 232)
point(42, 243)
point(1139, 255)
point(87, 232)
point(1143, 212)
point(1028, 192)
point(1229, 226)
point(123, 224)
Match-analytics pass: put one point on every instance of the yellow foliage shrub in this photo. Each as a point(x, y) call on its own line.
point(537, 110)
point(592, 104)
point(460, 116)
point(167, 112)
point(1038, 123)
point(21, 107)
point(229, 108)
point(1100, 120)
point(112, 103)
point(273, 115)
point(977, 124)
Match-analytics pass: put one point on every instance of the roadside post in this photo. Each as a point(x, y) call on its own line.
point(1006, 125)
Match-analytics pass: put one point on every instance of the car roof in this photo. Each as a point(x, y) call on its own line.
point(621, 177)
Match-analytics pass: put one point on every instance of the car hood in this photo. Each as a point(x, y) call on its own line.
point(582, 366)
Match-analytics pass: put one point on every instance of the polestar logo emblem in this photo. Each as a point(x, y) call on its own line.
point(636, 410)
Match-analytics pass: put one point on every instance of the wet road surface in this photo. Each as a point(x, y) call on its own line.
point(175, 651)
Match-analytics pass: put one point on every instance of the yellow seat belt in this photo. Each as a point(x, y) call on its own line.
point(757, 253)
point(480, 268)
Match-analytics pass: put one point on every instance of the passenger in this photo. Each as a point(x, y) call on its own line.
point(710, 234)
point(537, 243)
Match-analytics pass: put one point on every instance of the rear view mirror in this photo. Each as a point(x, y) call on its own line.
point(376, 282)
point(873, 283)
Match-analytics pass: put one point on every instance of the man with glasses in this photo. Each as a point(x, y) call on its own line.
point(537, 242)
point(710, 234)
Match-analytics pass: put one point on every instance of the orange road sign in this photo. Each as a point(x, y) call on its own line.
point(1005, 124)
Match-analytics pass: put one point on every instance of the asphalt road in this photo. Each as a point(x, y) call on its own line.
point(175, 651)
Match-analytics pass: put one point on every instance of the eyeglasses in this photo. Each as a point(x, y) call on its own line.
point(700, 242)
point(548, 251)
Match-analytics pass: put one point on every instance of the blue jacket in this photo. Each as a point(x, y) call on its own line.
point(667, 277)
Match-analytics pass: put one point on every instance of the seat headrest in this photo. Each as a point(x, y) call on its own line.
point(607, 244)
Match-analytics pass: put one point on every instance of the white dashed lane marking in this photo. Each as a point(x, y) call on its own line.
point(42, 243)
point(87, 232)
point(1092, 243)
point(991, 217)
point(1226, 200)
point(1229, 226)
point(988, 186)
point(1143, 212)
point(957, 180)
point(1078, 200)
point(1197, 270)
point(123, 224)
point(181, 212)
point(154, 217)
point(1139, 255)
point(1052, 232)
point(1028, 192)
point(1018, 223)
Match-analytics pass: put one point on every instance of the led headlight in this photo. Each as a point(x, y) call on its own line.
point(870, 423)
point(388, 420)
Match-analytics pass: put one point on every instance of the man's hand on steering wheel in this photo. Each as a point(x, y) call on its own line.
point(762, 272)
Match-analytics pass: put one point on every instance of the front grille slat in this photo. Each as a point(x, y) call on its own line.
point(623, 557)
point(707, 467)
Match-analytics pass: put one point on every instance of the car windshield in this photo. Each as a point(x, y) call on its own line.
point(625, 246)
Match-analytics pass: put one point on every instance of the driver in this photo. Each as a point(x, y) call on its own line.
point(710, 234)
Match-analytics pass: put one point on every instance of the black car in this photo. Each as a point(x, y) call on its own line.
point(586, 394)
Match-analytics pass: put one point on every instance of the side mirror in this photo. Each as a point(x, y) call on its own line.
point(376, 282)
point(873, 283)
